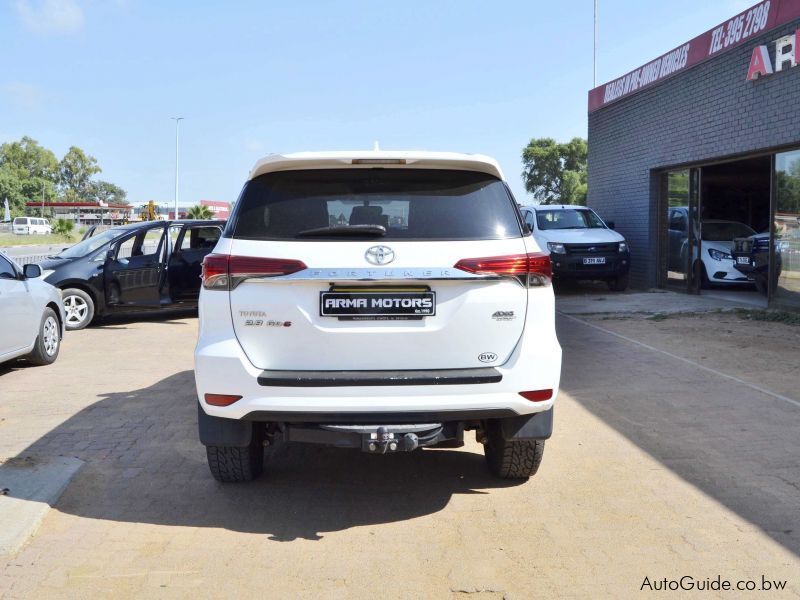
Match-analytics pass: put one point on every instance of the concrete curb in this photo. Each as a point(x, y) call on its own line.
point(30, 486)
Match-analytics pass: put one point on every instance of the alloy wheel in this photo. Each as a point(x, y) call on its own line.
point(76, 309)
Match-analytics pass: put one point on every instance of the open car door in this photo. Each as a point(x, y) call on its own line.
point(135, 271)
point(89, 232)
point(193, 243)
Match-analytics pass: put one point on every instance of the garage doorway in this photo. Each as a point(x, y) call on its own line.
point(786, 261)
point(717, 225)
point(680, 234)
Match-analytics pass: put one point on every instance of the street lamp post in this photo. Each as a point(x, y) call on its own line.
point(594, 48)
point(177, 156)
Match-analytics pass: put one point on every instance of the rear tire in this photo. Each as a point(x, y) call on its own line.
point(79, 308)
point(618, 284)
point(231, 464)
point(48, 342)
point(513, 459)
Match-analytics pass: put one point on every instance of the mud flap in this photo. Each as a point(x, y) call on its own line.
point(217, 431)
point(538, 426)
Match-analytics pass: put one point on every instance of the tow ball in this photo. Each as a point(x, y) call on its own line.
point(383, 441)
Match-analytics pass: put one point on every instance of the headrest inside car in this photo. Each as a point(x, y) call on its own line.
point(367, 215)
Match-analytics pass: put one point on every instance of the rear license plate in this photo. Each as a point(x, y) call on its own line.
point(743, 260)
point(595, 260)
point(377, 305)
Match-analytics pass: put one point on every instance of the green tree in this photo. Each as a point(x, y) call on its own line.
point(77, 169)
point(64, 227)
point(201, 211)
point(103, 191)
point(26, 171)
point(555, 173)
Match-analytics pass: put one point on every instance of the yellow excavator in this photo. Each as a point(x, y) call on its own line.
point(149, 212)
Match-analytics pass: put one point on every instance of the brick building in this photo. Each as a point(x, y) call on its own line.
point(709, 132)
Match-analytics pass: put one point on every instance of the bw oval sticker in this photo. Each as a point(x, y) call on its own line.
point(487, 357)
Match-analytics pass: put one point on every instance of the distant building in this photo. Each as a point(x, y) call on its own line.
point(166, 210)
point(89, 213)
point(220, 208)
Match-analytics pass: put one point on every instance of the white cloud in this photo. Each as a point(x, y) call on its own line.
point(22, 95)
point(51, 16)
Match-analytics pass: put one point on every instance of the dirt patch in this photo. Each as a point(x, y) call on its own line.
point(762, 352)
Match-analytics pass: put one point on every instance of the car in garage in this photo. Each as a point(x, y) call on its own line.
point(382, 301)
point(32, 314)
point(581, 245)
point(715, 264)
point(137, 267)
point(751, 258)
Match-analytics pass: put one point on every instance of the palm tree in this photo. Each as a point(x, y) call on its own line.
point(201, 211)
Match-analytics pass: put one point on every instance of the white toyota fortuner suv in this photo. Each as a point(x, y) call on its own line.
point(378, 300)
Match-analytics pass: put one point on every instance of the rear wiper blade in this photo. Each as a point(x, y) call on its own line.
point(376, 230)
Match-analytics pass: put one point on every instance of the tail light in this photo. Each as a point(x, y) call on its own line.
point(223, 272)
point(531, 270)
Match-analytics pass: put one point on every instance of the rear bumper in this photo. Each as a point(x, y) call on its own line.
point(570, 266)
point(221, 367)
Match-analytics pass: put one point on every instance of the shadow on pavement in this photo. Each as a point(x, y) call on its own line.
point(114, 322)
point(145, 464)
point(735, 445)
point(167, 317)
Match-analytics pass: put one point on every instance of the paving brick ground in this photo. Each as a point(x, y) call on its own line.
point(656, 469)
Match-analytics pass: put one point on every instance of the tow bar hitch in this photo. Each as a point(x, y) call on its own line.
point(384, 439)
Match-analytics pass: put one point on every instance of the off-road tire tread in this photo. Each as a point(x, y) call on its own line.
point(514, 460)
point(230, 464)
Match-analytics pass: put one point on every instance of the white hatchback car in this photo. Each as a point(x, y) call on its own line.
point(376, 300)
point(32, 314)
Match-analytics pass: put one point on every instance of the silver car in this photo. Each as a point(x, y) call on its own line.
point(31, 314)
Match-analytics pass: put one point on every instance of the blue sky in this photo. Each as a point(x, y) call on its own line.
point(257, 77)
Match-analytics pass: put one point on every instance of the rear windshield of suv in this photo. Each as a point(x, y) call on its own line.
point(395, 204)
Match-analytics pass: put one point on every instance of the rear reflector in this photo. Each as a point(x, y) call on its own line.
point(221, 399)
point(222, 272)
point(537, 395)
point(532, 269)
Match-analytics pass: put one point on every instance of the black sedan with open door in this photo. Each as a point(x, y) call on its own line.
point(142, 266)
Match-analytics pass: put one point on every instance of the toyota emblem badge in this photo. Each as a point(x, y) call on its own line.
point(379, 255)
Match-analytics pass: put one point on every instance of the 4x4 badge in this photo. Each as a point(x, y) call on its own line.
point(379, 255)
point(504, 315)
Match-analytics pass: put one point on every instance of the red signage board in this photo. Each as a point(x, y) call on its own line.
point(746, 25)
